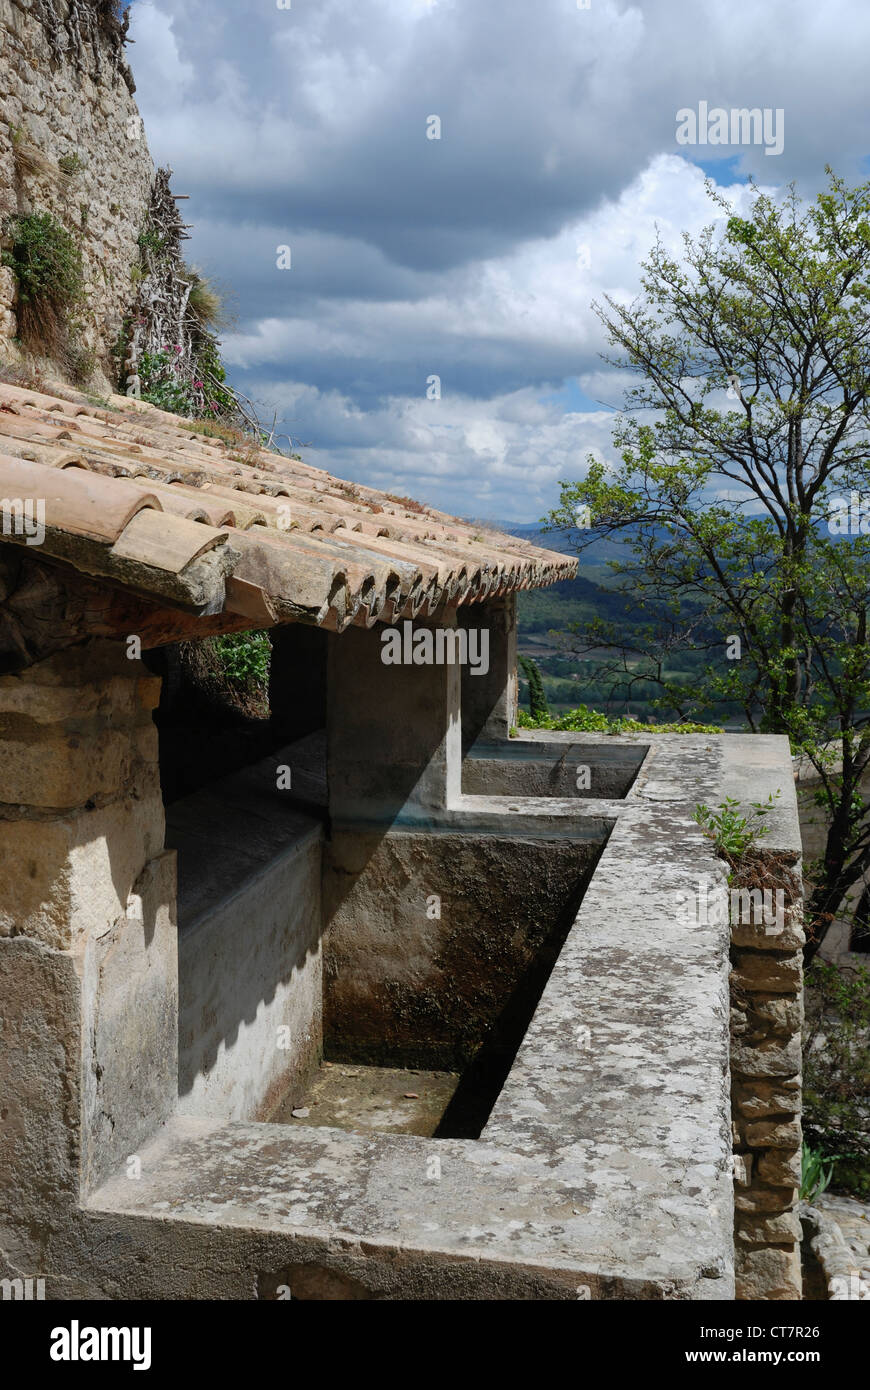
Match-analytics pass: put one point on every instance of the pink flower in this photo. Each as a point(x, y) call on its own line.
point(198, 385)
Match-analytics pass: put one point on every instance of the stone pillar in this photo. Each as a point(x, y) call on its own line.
point(297, 680)
point(766, 1017)
point(490, 700)
point(393, 730)
point(88, 980)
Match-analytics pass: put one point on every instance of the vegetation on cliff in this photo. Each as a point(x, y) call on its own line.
point(46, 262)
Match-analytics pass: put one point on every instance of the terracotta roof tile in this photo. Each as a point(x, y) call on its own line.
point(132, 495)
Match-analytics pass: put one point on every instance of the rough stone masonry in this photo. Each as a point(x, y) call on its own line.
point(766, 1017)
point(72, 101)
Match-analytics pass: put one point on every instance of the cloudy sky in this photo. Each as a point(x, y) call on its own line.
point(473, 257)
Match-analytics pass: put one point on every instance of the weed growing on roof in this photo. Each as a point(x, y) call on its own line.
point(409, 503)
point(217, 429)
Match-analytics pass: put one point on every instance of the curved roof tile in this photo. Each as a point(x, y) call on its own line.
point(287, 541)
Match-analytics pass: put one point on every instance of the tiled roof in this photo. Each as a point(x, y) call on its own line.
point(133, 497)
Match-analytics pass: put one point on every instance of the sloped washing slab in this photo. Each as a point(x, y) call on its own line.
point(559, 769)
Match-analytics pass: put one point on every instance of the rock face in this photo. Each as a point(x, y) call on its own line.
point(837, 1234)
point(72, 143)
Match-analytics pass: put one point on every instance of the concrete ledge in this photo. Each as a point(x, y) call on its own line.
point(253, 1198)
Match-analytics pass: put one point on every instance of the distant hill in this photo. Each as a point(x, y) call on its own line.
point(598, 551)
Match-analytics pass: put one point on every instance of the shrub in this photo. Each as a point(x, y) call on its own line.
point(47, 265)
point(204, 300)
point(219, 401)
point(70, 164)
point(29, 161)
point(162, 385)
point(150, 241)
point(245, 657)
point(591, 721)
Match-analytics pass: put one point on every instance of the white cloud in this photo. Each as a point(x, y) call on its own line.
point(468, 451)
point(460, 257)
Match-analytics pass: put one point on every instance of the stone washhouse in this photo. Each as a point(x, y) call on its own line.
point(404, 882)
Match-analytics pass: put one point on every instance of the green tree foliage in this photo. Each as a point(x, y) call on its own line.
point(744, 431)
point(537, 699)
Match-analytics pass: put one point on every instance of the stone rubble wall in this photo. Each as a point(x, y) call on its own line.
point(766, 1017)
point(78, 103)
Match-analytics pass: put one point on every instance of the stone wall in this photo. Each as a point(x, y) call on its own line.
point(766, 1016)
point(78, 104)
point(87, 939)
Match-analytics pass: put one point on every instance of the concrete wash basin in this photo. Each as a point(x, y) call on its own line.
point(603, 1169)
point(154, 1031)
point(417, 949)
point(553, 769)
